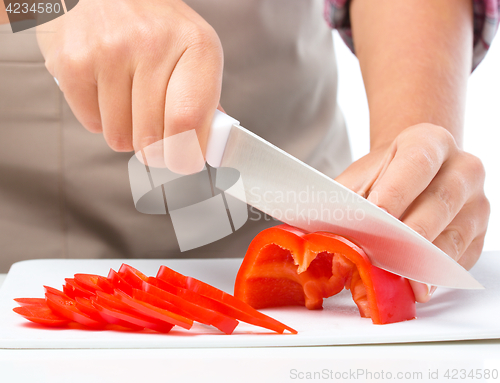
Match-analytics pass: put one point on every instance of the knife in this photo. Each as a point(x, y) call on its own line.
point(291, 191)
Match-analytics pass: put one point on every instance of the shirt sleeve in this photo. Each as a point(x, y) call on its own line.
point(486, 20)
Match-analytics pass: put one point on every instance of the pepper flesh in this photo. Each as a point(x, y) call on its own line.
point(286, 266)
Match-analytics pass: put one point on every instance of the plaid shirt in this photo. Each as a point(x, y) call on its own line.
point(486, 20)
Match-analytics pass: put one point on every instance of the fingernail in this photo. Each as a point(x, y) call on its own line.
point(431, 290)
point(423, 292)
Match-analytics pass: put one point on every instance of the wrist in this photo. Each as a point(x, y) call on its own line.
point(384, 132)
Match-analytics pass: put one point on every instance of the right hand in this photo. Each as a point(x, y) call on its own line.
point(137, 71)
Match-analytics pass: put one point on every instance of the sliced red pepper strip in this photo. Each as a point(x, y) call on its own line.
point(119, 283)
point(193, 310)
point(41, 314)
point(86, 307)
point(30, 302)
point(156, 301)
point(67, 308)
point(73, 289)
point(286, 266)
point(133, 276)
point(93, 283)
point(218, 300)
point(154, 312)
point(54, 291)
point(116, 312)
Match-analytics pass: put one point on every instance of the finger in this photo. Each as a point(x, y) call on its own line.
point(361, 175)
point(473, 252)
point(368, 184)
point(115, 105)
point(462, 240)
point(192, 96)
point(81, 96)
point(148, 104)
point(468, 225)
point(422, 291)
point(412, 169)
point(193, 91)
point(431, 212)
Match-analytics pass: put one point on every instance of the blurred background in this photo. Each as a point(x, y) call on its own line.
point(482, 120)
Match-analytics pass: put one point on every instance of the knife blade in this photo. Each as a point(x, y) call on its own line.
point(291, 191)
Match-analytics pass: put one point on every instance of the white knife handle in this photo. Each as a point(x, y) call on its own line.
point(217, 137)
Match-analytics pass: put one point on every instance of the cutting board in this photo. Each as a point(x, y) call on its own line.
point(450, 315)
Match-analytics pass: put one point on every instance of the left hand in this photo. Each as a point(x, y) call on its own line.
point(437, 189)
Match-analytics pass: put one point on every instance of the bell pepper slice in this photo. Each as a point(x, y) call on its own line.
point(219, 300)
point(87, 306)
point(67, 308)
point(114, 311)
point(41, 314)
point(93, 283)
point(73, 289)
point(191, 307)
point(30, 302)
point(153, 311)
point(132, 275)
point(119, 283)
point(287, 266)
point(54, 291)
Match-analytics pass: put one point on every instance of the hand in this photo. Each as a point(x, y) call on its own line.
point(427, 181)
point(136, 71)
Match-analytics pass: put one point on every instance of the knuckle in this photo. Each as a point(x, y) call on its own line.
point(444, 136)
point(112, 47)
point(422, 159)
point(204, 41)
point(472, 253)
point(456, 242)
point(72, 64)
point(420, 228)
point(474, 165)
point(394, 200)
point(446, 199)
point(187, 116)
point(201, 35)
point(152, 41)
point(436, 140)
point(484, 208)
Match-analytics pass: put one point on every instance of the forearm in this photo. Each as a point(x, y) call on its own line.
point(415, 58)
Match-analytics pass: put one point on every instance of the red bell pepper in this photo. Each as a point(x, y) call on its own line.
point(287, 266)
point(40, 313)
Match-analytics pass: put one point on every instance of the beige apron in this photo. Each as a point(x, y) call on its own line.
point(65, 194)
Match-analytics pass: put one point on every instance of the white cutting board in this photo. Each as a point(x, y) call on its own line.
point(450, 315)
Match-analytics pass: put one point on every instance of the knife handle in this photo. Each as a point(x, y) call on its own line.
point(217, 137)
